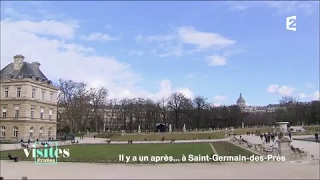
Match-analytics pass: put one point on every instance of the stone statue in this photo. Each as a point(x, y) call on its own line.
point(139, 129)
point(170, 128)
point(242, 125)
point(184, 128)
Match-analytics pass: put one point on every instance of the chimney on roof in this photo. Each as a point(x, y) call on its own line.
point(36, 64)
point(17, 62)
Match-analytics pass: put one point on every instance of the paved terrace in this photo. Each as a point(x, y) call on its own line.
point(268, 170)
point(278, 170)
point(312, 147)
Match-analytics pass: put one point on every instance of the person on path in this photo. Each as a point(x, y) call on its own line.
point(290, 135)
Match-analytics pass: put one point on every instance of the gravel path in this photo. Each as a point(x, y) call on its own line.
point(266, 170)
point(271, 170)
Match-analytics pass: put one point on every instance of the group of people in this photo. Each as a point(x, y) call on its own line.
point(268, 137)
point(248, 133)
point(29, 142)
point(271, 136)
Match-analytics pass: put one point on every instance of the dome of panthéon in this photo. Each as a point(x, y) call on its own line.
point(240, 100)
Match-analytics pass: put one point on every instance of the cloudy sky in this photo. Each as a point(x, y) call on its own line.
point(151, 49)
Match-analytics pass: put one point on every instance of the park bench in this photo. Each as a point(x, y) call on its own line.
point(172, 140)
point(130, 142)
point(314, 160)
point(108, 141)
point(24, 178)
point(249, 145)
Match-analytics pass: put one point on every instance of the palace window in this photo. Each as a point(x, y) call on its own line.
point(16, 112)
point(4, 111)
point(6, 92)
point(42, 95)
point(33, 93)
point(31, 132)
point(15, 131)
point(32, 112)
point(49, 132)
point(40, 132)
point(50, 114)
point(18, 91)
point(41, 113)
point(3, 131)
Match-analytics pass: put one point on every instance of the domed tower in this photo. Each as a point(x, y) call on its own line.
point(241, 102)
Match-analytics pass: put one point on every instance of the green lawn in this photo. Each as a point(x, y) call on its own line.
point(229, 149)
point(177, 136)
point(79, 134)
point(312, 129)
point(110, 153)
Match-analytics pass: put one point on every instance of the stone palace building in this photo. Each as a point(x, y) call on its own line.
point(28, 102)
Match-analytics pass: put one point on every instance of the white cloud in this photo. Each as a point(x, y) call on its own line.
point(155, 38)
point(177, 43)
point(190, 35)
point(216, 60)
point(219, 98)
point(138, 53)
point(273, 88)
point(312, 96)
point(68, 60)
point(96, 36)
point(309, 85)
point(216, 104)
point(282, 90)
point(191, 75)
point(281, 7)
point(61, 29)
point(166, 89)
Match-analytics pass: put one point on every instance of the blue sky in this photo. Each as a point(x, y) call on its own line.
point(150, 49)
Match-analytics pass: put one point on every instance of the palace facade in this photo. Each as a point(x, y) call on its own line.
point(28, 102)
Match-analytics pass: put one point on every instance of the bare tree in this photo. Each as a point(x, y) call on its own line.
point(80, 108)
point(176, 104)
point(98, 100)
point(112, 111)
point(73, 100)
point(163, 110)
point(200, 103)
